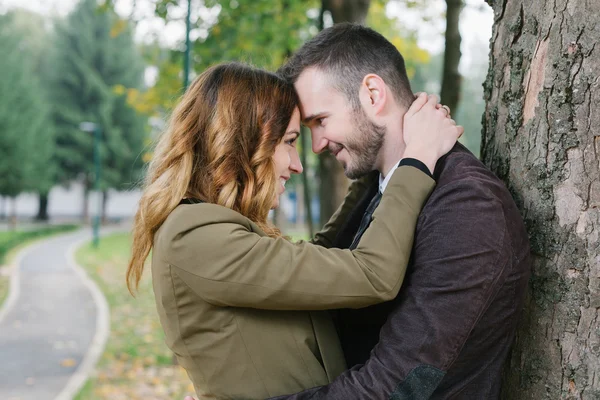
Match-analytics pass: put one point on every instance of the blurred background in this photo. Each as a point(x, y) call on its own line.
point(87, 85)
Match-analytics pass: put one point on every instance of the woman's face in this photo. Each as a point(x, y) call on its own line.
point(286, 159)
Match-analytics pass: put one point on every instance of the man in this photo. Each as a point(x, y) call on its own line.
point(449, 331)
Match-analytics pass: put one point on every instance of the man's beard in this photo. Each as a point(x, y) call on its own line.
point(363, 145)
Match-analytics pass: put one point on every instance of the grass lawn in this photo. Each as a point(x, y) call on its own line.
point(136, 363)
point(4, 285)
point(13, 241)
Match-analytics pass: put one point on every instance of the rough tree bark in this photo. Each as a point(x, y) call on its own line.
point(542, 136)
point(333, 182)
point(451, 78)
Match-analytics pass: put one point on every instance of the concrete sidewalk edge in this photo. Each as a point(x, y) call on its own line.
point(14, 286)
point(88, 364)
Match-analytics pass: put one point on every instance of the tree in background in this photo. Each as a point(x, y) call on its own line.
point(25, 138)
point(259, 32)
point(36, 37)
point(472, 105)
point(95, 65)
point(451, 78)
point(541, 137)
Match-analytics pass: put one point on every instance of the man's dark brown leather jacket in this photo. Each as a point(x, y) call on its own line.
point(449, 331)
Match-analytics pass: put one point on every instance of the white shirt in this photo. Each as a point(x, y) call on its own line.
point(383, 182)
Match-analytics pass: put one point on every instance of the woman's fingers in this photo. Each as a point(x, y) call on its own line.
point(445, 109)
point(432, 100)
point(416, 106)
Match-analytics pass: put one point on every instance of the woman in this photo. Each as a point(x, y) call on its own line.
point(226, 282)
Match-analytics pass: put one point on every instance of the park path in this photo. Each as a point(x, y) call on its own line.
point(48, 332)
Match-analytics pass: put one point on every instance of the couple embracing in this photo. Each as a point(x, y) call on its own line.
point(412, 290)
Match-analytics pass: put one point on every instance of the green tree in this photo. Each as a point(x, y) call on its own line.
point(260, 32)
point(36, 38)
point(24, 137)
point(96, 66)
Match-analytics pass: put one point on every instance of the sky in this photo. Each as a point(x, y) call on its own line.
point(475, 25)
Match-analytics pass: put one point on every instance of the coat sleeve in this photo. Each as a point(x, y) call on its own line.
point(227, 264)
point(358, 188)
point(425, 333)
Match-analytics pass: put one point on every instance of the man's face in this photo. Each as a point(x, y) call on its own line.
point(347, 133)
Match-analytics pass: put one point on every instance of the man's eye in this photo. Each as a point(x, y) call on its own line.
point(320, 121)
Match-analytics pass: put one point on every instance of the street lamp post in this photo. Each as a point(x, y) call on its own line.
point(186, 58)
point(94, 128)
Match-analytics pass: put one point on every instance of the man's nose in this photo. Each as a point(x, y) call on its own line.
point(319, 143)
point(295, 163)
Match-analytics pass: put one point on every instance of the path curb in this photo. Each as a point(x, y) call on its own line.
point(13, 286)
point(96, 348)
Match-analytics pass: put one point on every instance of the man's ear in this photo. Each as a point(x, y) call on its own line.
point(373, 94)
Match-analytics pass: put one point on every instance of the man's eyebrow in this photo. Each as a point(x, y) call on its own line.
point(311, 118)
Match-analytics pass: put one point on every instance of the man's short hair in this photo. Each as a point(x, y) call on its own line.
point(348, 52)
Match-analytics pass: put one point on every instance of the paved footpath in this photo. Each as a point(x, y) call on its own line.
point(47, 331)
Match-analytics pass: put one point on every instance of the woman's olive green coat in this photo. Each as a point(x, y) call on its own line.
point(243, 311)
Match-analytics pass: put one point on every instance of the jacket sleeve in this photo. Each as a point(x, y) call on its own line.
point(356, 191)
point(435, 313)
point(227, 264)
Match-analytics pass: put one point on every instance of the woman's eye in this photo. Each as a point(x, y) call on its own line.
point(291, 141)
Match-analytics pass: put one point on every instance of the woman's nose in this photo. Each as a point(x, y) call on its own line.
point(295, 163)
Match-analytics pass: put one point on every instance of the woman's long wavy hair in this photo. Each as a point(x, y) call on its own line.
point(218, 148)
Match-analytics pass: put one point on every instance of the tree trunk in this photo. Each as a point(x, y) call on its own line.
point(541, 136)
point(104, 205)
point(347, 10)
point(333, 186)
point(306, 188)
point(12, 219)
point(85, 211)
point(333, 182)
point(451, 78)
point(42, 214)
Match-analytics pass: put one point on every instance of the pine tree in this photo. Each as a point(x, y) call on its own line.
point(36, 38)
point(96, 65)
point(24, 137)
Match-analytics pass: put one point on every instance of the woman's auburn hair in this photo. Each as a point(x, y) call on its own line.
point(218, 148)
